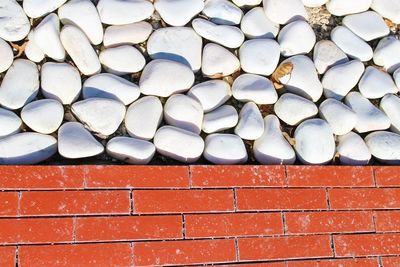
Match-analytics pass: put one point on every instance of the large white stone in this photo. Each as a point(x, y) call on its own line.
point(83, 14)
point(222, 12)
point(20, 85)
point(75, 142)
point(376, 83)
point(6, 55)
point(211, 94)
point(228, 36)
point(327, 54)
point(272, 148)
point(26, 148)
point(225, 149)
point(251, 124)
point(222, 118)
point(143, 117)
point(122, 60)
point(217, 61)
point(80, 50)
point(181, 44)
point(344, 7)
point(293, 109)
point(384, 146)
point(106, 85)
point(178, 12)
point(32, 50)
point(128, 34)
point(387, 54)
point(351, 44)
point(396, 77)
point(340, 117)
point(163, 78)
point(369, 117)
point(119, 12)
point(36, 9)
point(254, 59)
point(10, 123)
point(390, 104)
point(352, 150)
point(102, 116)
point(349, 73)
point(43, 116)
point(255, 24)
point(60, 81)
point(246, 3)
point(255, 88)
point(184, 112)
point(314, 142)
point(285, 11)
point(367, 25)
point(387, 8)
point(131, 150)
point(14, 24)
point(314, 3)
point(178, 144)
point(296, 38)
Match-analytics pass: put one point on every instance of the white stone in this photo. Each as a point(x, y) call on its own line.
point(293, 109)
point(246, 3)
point(222, 118)
point(47, 37)
point(387, 54)
point(14, 24)
point(384, 146)
point(349, 73)
point(211, 94)
point(370, 118)
point(255, 88)
point(228, 36)
point(387, 8)
point(184, 112)
point(32, 50)
point(314, 3)
point(122, 60)
point(376, 83)
point(20, 85)
point(296, 83)
point(396, 76)
point(255, 24)
point(75, 142)
point(119, 12)
point(181, 44)
point(353, 150)
point(80, 50)
point(222, 12)
point(344, 7)
point(163, 78)
point(314, 142)
point(102, 116)
point(178, 144)
point(106, 85)
point(326, 55)
point(6, 55)
point(340, 117)
point(272, 148)
point(178, 12)
point(218, 61)
point(254, 59)
point(390, 104)
point(26, 148)
point(131, 150)
point(351, 44)
point(225, 149)
point(128, 34)
point(36, 9)
point(367, 25)
point(143, 117)
point(251, 124)
point(60, 81)
point(296, 38)
point(285, 11)
point(83, 14)
point(10, 123)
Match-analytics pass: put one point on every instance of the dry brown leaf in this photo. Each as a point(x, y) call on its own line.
point(291, 140)
point(283, 70)
point(20, 48)
point(389, 23)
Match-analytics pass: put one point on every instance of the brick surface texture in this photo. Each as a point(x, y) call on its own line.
point(245, 216)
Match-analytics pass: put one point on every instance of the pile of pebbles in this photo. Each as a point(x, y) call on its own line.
point(224, 81)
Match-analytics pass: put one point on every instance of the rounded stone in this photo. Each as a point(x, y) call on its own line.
point(314, 3)
point(120, 12)
point(220, 119)
point(32, 50)
point(390, 104)
point(344, 7)
point(122, 60)
point(384, 146)
point(251, 124)
point(36, 9)
point(255, 24)
point(284, 11)
point(340, 117)
point(367, 25)
point(327, 54)
point(128, 34)
point(387, 54)
point(293, 109)
point(211, 94)
point(387, 8)
point(375, 83)
point(10, 123)
point(6, 55)
point(255, 88)
point(225, 149)
point(296, 38)
point(14, 24)
point(352, 150)
point(222, 12)
point(131, 150)
point(187, 9)
point(218, 61)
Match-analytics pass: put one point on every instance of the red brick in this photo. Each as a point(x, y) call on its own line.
point(8, 204)
point(7, 256)
point(364, 198)
point(387, 176)
point(387, 221)
point(288, 247)
point(367, 245)
point(329, 176)
point(181, 201)
point(138, 177)
point(281, 199)
point(128, 228)
point(184, 252)
point(75, 202)
point(240, 224)
point(237, 176)
point(371, 262)
point(390, 261)
point(259, 264)
point(76, 255)
point(328, 222)
point(27, 231)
